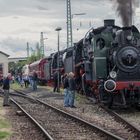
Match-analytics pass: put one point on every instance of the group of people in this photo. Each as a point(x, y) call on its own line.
point(27, 80)
point(69, 85)
point(6, 85)
point(68, 82)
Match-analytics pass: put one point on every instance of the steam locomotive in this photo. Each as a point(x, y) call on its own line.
point(106, 63)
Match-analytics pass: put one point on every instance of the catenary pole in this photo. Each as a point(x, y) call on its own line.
point(69, 25)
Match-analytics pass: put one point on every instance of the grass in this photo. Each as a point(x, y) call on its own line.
point(78, 97)
point(5, 126)
point(5, 131)
point(3, 123)
point(51, 89)
point(4, 134)
point(15, 86)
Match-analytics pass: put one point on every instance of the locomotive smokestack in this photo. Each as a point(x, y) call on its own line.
point(109, 22)
point(125, 9)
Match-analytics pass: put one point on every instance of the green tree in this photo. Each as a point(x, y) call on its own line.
point(31, 59)
point(16, 67)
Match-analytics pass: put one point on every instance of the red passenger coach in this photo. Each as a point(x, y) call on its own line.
point(39, 67)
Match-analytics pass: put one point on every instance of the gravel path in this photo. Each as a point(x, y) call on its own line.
point(87, 110)
point(59, 126)
point(132, 116)
point(22, 128)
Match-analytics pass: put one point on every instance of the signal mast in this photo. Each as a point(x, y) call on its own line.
point(131, 13)
point(42, 45)
point(69, 25)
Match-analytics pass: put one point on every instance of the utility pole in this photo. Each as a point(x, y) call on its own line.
point(131, 14)
point(69, 25)
point(42, 45)
point(58, 29)
point(28, 49)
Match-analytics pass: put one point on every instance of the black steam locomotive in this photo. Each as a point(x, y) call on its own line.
point(106, 63)
point(111, 64)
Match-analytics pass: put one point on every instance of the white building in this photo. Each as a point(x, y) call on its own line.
point(3, 64)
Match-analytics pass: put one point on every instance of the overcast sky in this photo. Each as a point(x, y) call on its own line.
point(21, 21)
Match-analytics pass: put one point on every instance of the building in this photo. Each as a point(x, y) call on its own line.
point(5, 60)
point(17, 59)
point(3, 64)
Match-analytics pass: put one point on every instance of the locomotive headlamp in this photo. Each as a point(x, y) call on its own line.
point(110, 85)
point(129, 37)
point(113, 74)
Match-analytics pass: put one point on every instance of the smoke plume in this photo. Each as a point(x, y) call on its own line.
point(126, 10)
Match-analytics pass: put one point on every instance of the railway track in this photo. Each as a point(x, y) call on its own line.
point(32, 118)
point(131, 115)
point(60, 124)
point(122, 128)
point(131, 128)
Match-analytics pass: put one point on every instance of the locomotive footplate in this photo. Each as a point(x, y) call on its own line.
point(127, 84)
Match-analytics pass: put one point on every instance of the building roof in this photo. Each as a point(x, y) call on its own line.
point(4, 53)
point(16, 59)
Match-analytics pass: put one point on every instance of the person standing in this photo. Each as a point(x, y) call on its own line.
point(21, 82)
point(56, 80)
point(66, 92)
point(26, 80)
point(6, 87)
point(31, 79)
point(35, 78)
point(72, 88)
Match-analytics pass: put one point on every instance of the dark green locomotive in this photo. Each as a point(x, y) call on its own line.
point(109, 64)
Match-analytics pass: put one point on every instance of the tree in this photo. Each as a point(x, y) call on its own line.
point(31, 59)
point(16, 67)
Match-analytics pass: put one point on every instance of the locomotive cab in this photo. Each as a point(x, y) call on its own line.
point(69, 60)
point(100, 43)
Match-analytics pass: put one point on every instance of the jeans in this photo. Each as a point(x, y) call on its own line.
point(71, 98)
point(6, 97)
point(66, 97)
point(56, 88)
point(34, 85)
